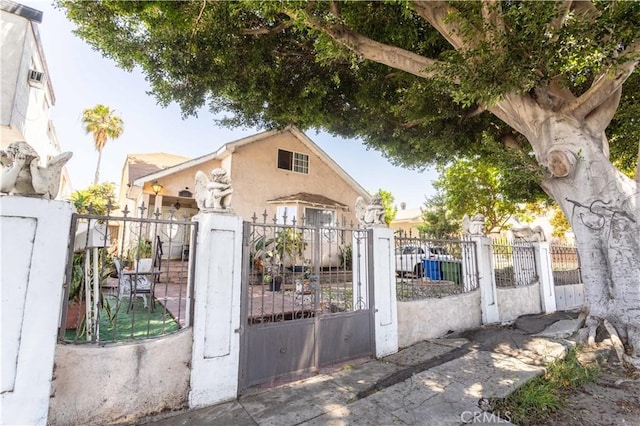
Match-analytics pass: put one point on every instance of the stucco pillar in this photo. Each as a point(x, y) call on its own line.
point(216, 321)
point(376, 261)
point(545, 277)
point(486, 281)
point(34, 235)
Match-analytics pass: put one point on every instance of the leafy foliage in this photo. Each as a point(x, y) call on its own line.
point(476, 186)
point(625, 128)
point(268, 64)
point(560, 224)
point(390, 210)
point(103, 124)
point(532, 403)
point(436, 219)
point(94, 199)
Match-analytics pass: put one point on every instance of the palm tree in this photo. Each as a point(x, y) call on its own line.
point(104, 125)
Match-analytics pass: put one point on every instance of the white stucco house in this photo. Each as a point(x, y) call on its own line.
point(26, 94)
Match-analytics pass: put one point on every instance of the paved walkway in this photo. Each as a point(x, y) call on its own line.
point(434, 382)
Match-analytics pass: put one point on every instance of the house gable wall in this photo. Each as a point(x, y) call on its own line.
point(177, 181)
point(256, 178)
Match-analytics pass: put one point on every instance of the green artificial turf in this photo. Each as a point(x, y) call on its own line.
point(138, 323)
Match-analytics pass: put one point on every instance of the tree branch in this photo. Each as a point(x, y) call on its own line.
point(436, 13)
point(195, 24)
point(563, 14)
point(393, 56)
point(638, 166)
point(492, 16)
point(520, 112)
point(335, 9)
point(598, 119)
point(601, 89)
point(265, 30)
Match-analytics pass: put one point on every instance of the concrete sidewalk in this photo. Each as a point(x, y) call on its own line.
point(435, 382)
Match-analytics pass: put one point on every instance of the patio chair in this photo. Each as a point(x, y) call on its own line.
point(138, 282)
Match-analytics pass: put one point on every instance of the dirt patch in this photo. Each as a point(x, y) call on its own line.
point(613, 399)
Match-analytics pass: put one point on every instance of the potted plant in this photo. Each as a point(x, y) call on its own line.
point(271, 255)
point(142, 250)
point(76, 303)
point(289, 245)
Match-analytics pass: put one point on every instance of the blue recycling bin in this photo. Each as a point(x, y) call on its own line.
point(432, 269)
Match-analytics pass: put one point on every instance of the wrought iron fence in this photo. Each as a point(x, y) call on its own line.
point(513, 263)
point(565, 263)
point(434, 267)
point(296, 271)
point(125, 280)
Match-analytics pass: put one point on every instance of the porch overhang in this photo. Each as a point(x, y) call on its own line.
point(314, 200)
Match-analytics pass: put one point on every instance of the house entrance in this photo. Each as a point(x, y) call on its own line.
point(306, 302)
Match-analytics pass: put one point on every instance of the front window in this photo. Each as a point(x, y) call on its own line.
point(321, 219)
point(293, 161)
point(317, 217)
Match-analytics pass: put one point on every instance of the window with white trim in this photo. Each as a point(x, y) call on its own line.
point(322, 219)
point(294, 161)
point(290, 211)
point(318, 217)
point(35, 77)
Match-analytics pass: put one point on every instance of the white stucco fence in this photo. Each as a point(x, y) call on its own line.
point(430, 318)
point(34, 234)
point(120, 383)
point(518, 301)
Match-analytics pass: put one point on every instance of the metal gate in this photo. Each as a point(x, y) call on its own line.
point(301, 308)
point(567, 277)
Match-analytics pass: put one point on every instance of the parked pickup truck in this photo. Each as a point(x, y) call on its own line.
point(409, 259)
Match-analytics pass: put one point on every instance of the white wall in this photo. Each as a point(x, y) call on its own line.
point(429, 318)
point(34, 234)
point(14, 29)
point(215, 362)
point(517, 301)
point(569, 296)
point(25, 108)
point(120, 383)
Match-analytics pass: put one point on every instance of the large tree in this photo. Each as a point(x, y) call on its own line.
point(422, 82)
point(471, 186)
point(437, 220)
point(103, 124)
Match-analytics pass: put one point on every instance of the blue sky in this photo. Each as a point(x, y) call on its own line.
point(82, 78)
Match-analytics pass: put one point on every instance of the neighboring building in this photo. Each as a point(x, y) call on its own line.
point(407, 220)
point(273, 172)
point(27, 92)
point(139, 165)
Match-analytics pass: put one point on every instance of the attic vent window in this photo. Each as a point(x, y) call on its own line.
point(293, 161)
point(36, 77)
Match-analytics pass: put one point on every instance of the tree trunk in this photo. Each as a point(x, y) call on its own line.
point(603, 206)
point(97, 175)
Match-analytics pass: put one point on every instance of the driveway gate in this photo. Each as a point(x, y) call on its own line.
point(301, 308)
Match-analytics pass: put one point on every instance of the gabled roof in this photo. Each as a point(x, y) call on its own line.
point(306, 198)
point(145, 164)
point(408, 215)
point(228, 149)
point(26, 12)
